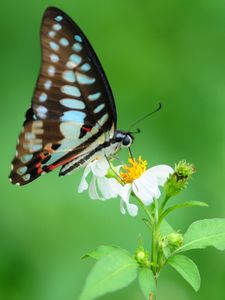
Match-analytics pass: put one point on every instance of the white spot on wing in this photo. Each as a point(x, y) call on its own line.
point(64, 42)
point(93, 97)
point(54, 46)
point(72, 103)
point(29, 136)
point(85, 67)
point(37, 127)
point(57, 27)
point(51, 70)
point(77, 47)
point(71, 90)
point(41, 111)
point(74, 61)
point(25, 158)
point(73, 115)
point(58, 18)
point(32, 147)
point(83, 79)
point(78, 38)
point(69, 76)
point(70, 65)
point(47, 84)
point(21, 170)
point(54, 58)
point(52, 34)
point(70, 130)
point(99, 108)
point(43, 97)
point(102, 120)
point(26, 177)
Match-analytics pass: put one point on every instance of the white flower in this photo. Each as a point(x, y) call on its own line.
point(100, 187)
point(143, 183)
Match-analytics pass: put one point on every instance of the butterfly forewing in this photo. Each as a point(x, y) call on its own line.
point(71, 71)
point(72, 105)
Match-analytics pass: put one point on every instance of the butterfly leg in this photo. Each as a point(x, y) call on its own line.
point(117, 175)
point(118, 159)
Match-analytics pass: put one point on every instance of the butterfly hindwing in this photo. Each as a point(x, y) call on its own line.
point(72, 105)
point(42, 147)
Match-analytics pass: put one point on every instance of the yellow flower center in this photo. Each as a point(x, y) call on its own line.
point(134, 170)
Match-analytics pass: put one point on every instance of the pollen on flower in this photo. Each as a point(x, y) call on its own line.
point(133, 170)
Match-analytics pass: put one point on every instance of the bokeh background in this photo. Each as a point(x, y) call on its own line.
point(169, 51)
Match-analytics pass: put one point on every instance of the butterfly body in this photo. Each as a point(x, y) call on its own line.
point(107, 149)
point(72, 118)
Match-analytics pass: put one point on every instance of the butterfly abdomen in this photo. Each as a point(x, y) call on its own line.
point(106, 149)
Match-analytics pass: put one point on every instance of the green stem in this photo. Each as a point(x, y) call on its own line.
point(155, 241)
point(151, 220)
point(164, 202)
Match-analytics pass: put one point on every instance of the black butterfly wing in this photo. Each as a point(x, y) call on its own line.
point(71, 69)
point(72, 105)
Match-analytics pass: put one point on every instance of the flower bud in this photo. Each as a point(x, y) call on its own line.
point(178, 180)
point(142, 257)
point(175, 239)
point(163, 242)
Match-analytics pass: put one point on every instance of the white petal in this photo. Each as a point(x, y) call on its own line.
point(161, 172)
point(125, 194)
point(108, 187)
point(83, 184)
point(103, 187)
point(93, 192)
point(132, 209)
point(122, 207)
point(115, 185)
point(146, 188)
point(100, 167)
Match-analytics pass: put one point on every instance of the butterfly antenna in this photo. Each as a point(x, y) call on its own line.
point(145, 117)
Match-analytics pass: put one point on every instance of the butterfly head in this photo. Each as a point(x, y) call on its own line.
point(124, 138)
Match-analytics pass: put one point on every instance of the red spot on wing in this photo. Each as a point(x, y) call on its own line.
point(39, 171)
point(42, 156)
point(38, 165)
point(86, 128)
point(39, 168)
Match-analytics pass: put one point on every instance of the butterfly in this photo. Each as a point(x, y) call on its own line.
point(72, 117)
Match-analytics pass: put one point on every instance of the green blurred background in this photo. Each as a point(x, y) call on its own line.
point(169, 51)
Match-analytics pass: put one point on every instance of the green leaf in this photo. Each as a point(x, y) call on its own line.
point(166, 252)
point(113, 271)
point(182, 205)
point(166, 228)
point(187, 269)
point(101, 251)
point(204, 233)
point(147, 283)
